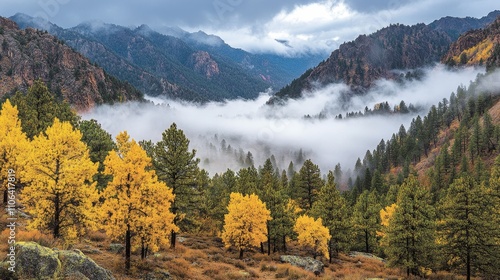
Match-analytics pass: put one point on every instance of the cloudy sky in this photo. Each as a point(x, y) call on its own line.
point(254, 25)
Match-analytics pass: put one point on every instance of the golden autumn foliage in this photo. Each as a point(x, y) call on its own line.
point(312, 234)
point(385, 217)
point(58, 172)
point(478, 53)
point(245, 224)
point(136, 205)
point(12, 141)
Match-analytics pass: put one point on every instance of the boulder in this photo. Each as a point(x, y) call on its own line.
point(75, 261)
point(306, 263)
point(116, 248)
point(34, 261)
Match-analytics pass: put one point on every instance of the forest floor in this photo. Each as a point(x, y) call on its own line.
point(205, 257)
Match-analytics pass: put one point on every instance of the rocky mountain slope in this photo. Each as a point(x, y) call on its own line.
point(383, 54)
point(477, 47)
point(189, 66)
point(28, 55)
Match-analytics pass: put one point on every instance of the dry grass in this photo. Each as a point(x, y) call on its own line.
point(204, 258)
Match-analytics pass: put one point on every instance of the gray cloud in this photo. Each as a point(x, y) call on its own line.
point(255, 24)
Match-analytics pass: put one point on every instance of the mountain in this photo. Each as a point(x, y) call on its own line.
point(476, 47)
point(29, 54)
point(455, 27)
point(276, 69)
point(383, 54)
point(189, 66)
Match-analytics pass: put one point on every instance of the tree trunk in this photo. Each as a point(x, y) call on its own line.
point(172, 239)
point(241, 254)
point(262, 247)
point(5, 196)
point(128, 237)
point(284, 243)
point(367, 245)
point(268, 240)
point(57, 217)
point(143, 251)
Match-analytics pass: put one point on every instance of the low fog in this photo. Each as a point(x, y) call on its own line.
point(282, 131)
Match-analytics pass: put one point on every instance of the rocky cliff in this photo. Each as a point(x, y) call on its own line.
point(28, 55)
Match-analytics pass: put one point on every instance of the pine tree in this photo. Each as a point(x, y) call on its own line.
point(59, 192)
point(136, 204)
point(409, 237)
point(331, 207)
point(13, 144)
point(309, 184)
point(366, 219)
point(177, 167)
point(38, 108)
point(100, 143)
point(468, 228)
point(245, 222)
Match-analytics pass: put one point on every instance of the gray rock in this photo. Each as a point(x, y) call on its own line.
point(34, 261)
point(158, 275)
point(75, 261)
point(306, 263)
point(116, 248)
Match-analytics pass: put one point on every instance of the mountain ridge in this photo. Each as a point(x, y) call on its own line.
point(359, 63)
point(163, 64)
point(28, 55)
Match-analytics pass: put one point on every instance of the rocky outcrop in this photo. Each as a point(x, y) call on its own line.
point(204, 64)
point(306, 263)
point(29, 55)
point(34, 261)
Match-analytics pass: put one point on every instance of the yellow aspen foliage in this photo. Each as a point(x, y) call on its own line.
point(13, 143)
point(312, 234)
point(245, 223)
point(58, 172)
point(136, 205)
point(385, 217)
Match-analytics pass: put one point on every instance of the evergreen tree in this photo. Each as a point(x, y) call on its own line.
point(309, 184)
point(410, 236)
point(468, 229)
point(331, 207)
point(100, 143)
point(38, 108)
point(177, 167)
point(366, 219)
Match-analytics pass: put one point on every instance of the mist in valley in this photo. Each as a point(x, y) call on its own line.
point(224, 133)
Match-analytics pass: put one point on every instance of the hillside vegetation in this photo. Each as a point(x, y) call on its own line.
point(29, 55)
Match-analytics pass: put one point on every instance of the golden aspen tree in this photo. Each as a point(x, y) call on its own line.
point(313, 235)
point(245, 225)
point(13, 142)
point(136, 205)
point(58, 172)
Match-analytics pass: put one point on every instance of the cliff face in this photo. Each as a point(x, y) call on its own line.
point(28, 55)
point(477, 47)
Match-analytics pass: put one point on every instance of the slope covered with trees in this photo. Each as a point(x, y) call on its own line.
point(29, 55)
